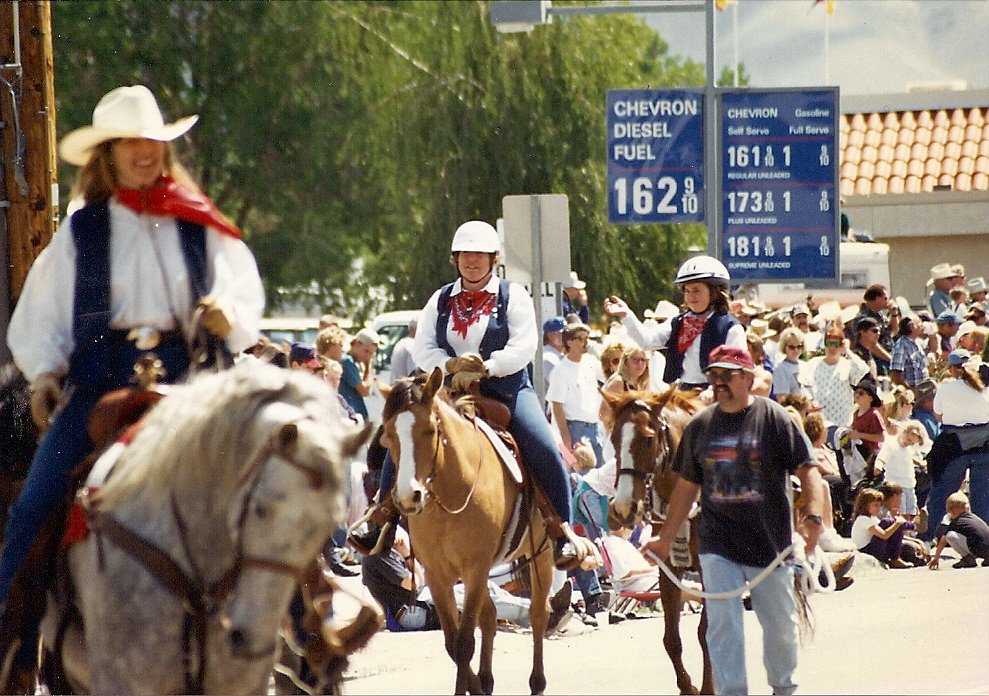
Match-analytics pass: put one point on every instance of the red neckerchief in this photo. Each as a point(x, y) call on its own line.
point(170, 198)
point(468, 307)
point(691, 326)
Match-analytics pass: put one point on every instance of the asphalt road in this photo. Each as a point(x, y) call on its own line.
point(911, 631)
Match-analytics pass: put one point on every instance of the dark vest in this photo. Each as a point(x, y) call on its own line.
point(91, 310)
point(715, 333)
point(495, 338)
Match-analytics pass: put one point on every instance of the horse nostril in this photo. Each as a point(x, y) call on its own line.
point(238, 641)
point(416, 497)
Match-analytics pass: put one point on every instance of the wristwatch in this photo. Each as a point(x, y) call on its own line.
point(815, 518)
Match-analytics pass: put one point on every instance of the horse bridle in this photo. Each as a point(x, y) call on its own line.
point(440, 443)
point(662, 448)
point(200, 600)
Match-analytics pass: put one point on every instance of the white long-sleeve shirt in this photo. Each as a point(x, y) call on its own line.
point(520, 350)
point(149, 286)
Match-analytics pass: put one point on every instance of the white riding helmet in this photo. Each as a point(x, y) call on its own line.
point(703, 268)
point(476, 235)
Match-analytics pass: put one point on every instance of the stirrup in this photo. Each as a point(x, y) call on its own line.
point(572, 550)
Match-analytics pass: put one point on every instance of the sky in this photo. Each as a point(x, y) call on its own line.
point(876, 46)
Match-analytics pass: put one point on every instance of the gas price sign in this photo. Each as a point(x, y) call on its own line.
point(779, 174)
point(655, 156)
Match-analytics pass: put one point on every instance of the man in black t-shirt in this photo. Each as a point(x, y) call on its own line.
point(738, 454)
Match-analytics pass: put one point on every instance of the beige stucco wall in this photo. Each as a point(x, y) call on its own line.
point(923, 230)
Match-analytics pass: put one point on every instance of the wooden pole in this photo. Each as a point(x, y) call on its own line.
point(32, 213)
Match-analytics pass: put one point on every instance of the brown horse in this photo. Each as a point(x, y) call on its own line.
point(646, 429)
point(462, 505)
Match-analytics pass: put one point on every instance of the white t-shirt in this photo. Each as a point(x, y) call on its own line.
point(959, 404)
point(897, 462)
point(575, 385)
point(861, 536)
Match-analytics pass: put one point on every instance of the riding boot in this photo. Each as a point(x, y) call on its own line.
point(569, 549)
point(367, 538)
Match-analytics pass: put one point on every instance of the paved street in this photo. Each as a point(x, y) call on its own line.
point(892, 632)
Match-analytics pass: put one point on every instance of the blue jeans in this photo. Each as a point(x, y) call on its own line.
point(977, 466)
point(581, 430)
point(535, 440)
point(775, 607)
point(64, 445)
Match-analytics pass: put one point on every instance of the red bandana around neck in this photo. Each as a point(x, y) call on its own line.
point(168, 197)
point(468, 308)
point(691, 327)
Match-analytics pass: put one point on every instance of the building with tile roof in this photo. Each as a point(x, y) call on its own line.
point(914, 172)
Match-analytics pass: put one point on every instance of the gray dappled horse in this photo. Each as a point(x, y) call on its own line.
point(196, 540)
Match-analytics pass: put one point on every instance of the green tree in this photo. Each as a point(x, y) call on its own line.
point(349, 139)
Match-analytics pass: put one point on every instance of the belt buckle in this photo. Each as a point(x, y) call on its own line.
point(145, 337)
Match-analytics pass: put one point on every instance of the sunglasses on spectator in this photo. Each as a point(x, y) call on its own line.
point(832, 342)
point(717, 376)
point(793, 345)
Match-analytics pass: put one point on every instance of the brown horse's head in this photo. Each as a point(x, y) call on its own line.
point(411, 431)
point(645, 430)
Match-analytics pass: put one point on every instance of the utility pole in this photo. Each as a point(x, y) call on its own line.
point(28, 172)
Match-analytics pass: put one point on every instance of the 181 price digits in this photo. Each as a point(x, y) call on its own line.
point(756, 246)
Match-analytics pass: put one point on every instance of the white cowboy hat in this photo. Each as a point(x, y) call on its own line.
point(125, 112)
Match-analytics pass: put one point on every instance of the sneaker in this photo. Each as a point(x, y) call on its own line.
point(589, 620)
point(967, 561)
point(898, 564)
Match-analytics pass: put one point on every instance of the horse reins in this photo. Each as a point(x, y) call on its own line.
point(200, 600)
point(662, 446)
point(441, 443)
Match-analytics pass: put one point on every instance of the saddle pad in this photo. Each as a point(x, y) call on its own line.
point(505, 454)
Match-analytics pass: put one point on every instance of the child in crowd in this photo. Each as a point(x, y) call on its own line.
point(896, 458)
point(817, 432)
point(968, 534)
point(868, 425)
point(870, 536)
point(913, 550)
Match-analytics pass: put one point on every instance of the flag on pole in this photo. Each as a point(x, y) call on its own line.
point(828, 5)
point(722, 4)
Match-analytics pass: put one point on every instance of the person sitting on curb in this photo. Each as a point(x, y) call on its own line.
point(968, 534)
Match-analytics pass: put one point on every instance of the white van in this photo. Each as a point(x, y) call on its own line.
point(861, 264)
point(391, 326)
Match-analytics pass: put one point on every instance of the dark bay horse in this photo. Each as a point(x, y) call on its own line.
point(462, 505)
point(645, 430)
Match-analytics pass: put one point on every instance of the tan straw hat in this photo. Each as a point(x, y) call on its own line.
point(125, 112)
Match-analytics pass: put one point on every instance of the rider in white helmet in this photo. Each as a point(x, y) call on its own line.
point(690, 336)
point(492, 324)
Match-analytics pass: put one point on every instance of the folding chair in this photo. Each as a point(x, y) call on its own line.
point(628, 590)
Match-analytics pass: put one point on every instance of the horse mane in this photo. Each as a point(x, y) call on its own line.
point(409, 390)
point(673, 399)
point(205, 430)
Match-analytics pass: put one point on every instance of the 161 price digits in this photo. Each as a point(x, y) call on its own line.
point(643, 196)
point(756, 246)
point(741, 156)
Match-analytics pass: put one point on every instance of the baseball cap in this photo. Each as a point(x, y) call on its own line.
point(958, 357)
point(925, 389)
point(368, 335)
point(553, 325)
point(304, 353)
point(800, 309)
point(574, 282)
point(730, 358)
point(948, 317)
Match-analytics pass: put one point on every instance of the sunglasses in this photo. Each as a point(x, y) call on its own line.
point(717, 376)
point(793, 346)
point(832, 343)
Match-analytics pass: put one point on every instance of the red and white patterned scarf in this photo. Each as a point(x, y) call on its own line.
point(691, 327)
point(467, 308)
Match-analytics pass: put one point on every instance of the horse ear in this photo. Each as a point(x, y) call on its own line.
point(354, 439)
point(664, 398)
point(432, 385)
point(613, 399)
point(385, 389)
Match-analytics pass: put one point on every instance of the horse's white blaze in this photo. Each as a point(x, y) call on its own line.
point(406, 483)
point(623, 495)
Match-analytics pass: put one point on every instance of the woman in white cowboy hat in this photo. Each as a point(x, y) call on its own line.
point(146, 253)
